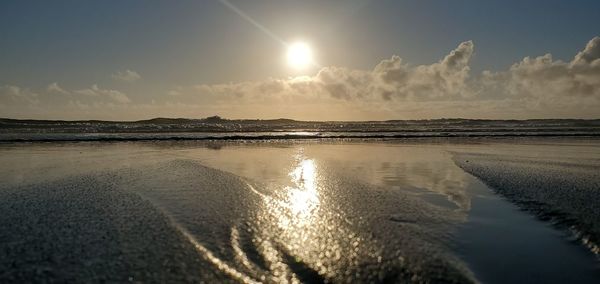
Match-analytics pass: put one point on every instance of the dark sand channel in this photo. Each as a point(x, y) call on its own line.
point(284, 212)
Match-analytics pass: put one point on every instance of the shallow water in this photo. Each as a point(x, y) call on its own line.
point(503, 244)
point(314, 211)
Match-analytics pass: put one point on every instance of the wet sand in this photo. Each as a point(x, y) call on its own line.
point(277, 212)
point(558, 185)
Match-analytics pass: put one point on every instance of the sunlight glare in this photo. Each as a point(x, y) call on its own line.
point(304, 198)
point(299, 55)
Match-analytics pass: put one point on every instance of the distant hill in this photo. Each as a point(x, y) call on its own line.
point(218, 119)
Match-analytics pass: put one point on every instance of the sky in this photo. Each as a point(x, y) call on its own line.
point(372, 60)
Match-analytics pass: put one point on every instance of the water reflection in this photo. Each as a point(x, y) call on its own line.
point(302, 198)
point(294, 209)
point(310, 213)
point(296, 232)
point(297, 204)
point(427, 172)
point(320, 224)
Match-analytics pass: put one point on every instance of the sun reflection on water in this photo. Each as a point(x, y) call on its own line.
point(299, 232)
point(304, 197)
point(301, 200)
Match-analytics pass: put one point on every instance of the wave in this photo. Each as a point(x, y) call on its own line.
point(74, 137)
point(216, 128)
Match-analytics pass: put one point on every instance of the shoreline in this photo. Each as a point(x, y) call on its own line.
point(378, 137)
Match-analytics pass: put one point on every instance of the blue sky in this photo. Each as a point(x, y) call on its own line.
point(176, 44)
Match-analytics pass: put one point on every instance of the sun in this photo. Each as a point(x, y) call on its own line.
point(299, 55)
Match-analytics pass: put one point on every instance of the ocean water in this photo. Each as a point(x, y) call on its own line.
point(215, 128)
point(344, 211)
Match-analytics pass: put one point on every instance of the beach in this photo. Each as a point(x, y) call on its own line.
point(341, 141)
point(315, 210)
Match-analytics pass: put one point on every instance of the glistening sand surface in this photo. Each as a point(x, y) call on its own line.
point(558, 183)
point(306, 211)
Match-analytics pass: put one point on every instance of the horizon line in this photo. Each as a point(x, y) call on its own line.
point(295, 120)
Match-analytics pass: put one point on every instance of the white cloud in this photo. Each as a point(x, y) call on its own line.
point(113, 95)
point(13, 95)
point(126, 76)
point(55, 96)
point(55, 88)
point(544, 77)
point(439, 81)
point(546, 83)
point(590, 54)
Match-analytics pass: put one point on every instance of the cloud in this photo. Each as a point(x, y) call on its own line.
point(55, 88)
point(391, 79)
point(539, 86)
point(442, 80)
point(113, 95)
point(126, 76)
point(535, 87)
point(551, 81)
point(55, 96)
point(590, 54)
point(13, 95)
